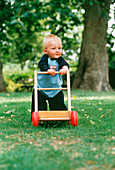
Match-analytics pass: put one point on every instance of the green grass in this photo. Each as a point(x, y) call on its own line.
point(90, 145)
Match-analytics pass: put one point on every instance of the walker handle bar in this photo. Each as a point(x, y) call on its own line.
point(45, 72)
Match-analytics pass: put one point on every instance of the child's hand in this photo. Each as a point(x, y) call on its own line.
point(51, 72)
point(63, 70)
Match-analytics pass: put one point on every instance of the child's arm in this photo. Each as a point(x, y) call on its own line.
point(63, 66)
point(63, 70)
point(43, 63)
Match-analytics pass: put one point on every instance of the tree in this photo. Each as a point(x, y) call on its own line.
point(25, 23)
point(16, 34)
point(2, 85)
point(62, 21)
point(4, 22)
point(25, 19)
point(92, 72)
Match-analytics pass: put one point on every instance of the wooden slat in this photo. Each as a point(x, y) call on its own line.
point(68, 91)
point(51, 88)
point(35, 91)
point(45, 72)
point(54, 115)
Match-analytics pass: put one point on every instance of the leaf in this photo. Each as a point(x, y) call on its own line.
point(90, 162)
point(2, 117)
point(12, 116)
point(113, 137)
point(10, 111)
point(102, 115)
point(91, 122)
point(100, 109)
point(17, 21)
point(91, 3)
point(74, 97)
point(73, 141)
point(93, 149)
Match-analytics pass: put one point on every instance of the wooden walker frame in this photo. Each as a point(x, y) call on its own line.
point(71, 117)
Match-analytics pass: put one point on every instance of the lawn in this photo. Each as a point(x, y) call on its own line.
point(56, 145)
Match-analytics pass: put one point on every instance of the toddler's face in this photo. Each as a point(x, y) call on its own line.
point(54, 49)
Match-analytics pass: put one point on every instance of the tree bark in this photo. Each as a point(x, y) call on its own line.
point(92, 72)
point(2, 85)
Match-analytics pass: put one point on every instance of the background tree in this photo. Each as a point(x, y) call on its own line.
point(4, 41)
point(25, 22)
point(19, 22)
point(92, 72)
point(63, 18)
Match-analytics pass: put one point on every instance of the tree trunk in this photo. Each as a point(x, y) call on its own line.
point(92, 73)
point(2, 85)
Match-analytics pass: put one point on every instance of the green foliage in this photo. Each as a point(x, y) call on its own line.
point(63, 19)
point(90, 145)
point(31, 19)
point(5, 18)
point(26, 21)
point(21, 32)
point(19, 77)
point(16, 78)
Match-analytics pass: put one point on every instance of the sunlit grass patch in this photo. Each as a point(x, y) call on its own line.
point(90, 145)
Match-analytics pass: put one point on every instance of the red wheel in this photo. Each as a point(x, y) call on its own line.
point(74, 118)
point(35, 119)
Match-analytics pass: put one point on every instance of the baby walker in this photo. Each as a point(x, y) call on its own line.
point(67, 115)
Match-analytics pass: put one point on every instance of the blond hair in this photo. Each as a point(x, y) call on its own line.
point(50, 37)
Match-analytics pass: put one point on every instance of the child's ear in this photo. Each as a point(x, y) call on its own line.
point(45, 51)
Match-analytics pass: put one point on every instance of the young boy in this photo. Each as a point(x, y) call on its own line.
point(51, 62)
